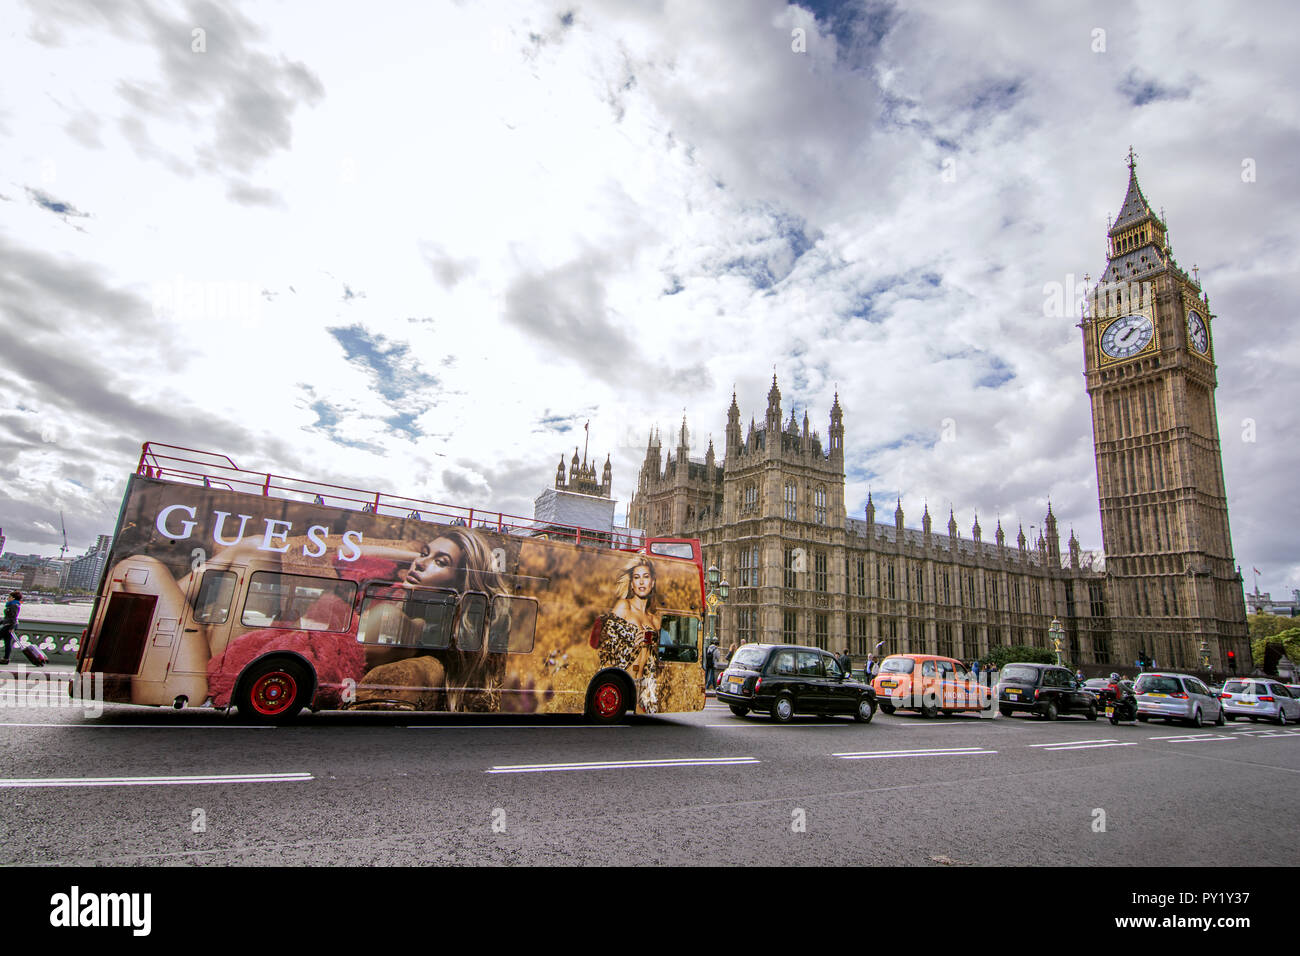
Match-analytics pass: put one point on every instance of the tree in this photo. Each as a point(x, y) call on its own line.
point(1266, 625)
point(1000, 657)
point(1268, 650)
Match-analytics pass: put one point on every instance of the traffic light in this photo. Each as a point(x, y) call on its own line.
point(1232, 661)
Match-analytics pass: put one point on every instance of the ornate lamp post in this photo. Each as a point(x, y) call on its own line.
point(1205, 659)
point(716, 593)
point(1056, 632)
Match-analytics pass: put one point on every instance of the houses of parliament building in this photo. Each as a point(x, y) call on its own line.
point(771, 512)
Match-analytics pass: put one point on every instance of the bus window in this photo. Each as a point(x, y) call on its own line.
point(397, 615)
point(679, 636)
point(298, 602)
point(216, 593)
point(469, 632)
point(672, 549)
point(514, 624)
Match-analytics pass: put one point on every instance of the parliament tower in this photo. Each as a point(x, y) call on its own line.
point(1150, 371)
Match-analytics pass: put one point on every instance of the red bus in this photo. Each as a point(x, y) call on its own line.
point(229, 588)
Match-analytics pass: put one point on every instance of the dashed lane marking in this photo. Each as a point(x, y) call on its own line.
point(1266, 734)
point(742, 722)
point(930, 752)
point(625, 764)
point(517, 726)
point(156, 781)
point(150, 726)
point(1070, 743)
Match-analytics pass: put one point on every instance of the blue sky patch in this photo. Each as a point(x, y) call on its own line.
point(394, 372)
point(1141, 89)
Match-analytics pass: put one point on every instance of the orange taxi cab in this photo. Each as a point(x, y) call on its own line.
point(930, 684)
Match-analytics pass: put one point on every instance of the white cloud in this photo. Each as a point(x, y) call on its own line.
point(616, 218)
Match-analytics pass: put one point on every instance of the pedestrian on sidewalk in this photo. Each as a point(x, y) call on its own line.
point(710, 664)
point(10, 621)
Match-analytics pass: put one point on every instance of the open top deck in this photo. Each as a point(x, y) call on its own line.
point(214, 470)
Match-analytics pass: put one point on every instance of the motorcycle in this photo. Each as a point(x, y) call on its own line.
point(1121, 703)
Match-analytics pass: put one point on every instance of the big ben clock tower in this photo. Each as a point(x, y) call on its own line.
point(1150, 370)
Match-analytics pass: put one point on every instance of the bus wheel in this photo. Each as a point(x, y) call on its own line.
point(273, 692)
point(607, 701)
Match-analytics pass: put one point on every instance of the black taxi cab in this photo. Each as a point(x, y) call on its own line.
point(1047, 690)
point(788, 679)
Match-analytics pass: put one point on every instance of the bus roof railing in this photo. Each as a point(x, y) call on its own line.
point(211, 470)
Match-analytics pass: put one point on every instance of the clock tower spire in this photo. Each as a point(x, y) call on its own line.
point(1150, 371)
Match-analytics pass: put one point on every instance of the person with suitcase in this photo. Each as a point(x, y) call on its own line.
point(10, 621)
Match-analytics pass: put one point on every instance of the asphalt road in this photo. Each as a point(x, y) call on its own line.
point(134, 785)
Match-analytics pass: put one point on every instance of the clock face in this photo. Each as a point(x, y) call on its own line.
point(1197, 334)
point(1127, 336)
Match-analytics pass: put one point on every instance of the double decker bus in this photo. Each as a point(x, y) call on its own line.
point(230, 588)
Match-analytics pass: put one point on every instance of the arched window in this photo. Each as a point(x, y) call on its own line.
point(819, 505)
point(749, 497)
point(791, 501)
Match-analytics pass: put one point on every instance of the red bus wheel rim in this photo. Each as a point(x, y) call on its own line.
point(609, 700)
point(273, 693)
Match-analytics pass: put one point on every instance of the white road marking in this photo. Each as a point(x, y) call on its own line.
point(1093, 746)
point(156, 781)
point(1265, 730)
point(516, 726)
point(1195, 738)
point(625, 764)
point(1067, 743)
point(151, 726)
point(742, 722)
point(932, 752)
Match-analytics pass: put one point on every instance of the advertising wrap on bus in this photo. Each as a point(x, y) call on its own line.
point(270, 604)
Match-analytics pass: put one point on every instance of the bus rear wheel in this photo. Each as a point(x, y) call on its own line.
point(607, 700)
point(273, 692)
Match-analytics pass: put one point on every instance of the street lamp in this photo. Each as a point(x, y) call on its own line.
point(1056, 632)
point(1205, 659)
point(717, 591)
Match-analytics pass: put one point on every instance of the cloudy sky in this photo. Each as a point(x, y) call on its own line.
point(418, 246)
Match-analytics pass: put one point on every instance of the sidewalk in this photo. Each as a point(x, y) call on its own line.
point(21, 668)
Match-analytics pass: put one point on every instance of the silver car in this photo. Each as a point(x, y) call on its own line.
point(1260, 699)
point(1177, 697)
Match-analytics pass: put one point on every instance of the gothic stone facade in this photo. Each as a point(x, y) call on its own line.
point(771, 516)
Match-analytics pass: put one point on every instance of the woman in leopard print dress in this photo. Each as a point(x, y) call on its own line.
point(629, 636)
